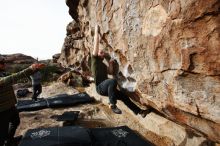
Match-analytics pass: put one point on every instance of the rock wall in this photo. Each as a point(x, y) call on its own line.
point(168, 53)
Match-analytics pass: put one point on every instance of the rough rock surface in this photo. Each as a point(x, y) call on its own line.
point(153, 127)
point(170, 50)
point(55, 57)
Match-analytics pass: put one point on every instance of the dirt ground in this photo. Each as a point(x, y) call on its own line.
point(91, 115)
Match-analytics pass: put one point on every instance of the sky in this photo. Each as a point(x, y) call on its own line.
point(33, 27)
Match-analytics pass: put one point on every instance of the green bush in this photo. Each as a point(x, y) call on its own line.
point(14, 68)
point(49, 73)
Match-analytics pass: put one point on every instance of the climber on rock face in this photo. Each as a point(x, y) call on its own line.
point(106, 86)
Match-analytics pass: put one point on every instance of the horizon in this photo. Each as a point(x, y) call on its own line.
point(33, 28)
point(36, 58)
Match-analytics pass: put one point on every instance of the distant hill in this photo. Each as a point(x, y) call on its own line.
point(18, 58)
point(17, 62)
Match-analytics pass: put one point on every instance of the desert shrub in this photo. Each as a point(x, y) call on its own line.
point(50, 73)
point(14, 68)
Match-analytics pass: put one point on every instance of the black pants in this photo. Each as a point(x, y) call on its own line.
point(109, 88)
point(37, 89)
point(9, 122)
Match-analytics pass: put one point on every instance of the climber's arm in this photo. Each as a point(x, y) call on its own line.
point(96, 41)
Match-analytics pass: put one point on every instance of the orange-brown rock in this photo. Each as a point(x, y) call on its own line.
point(169, 50)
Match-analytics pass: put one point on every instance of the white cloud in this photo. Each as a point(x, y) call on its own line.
point(33, 27)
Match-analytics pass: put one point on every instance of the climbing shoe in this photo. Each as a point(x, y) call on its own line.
point(115, 109)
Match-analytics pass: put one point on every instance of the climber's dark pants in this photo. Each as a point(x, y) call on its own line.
point(109, 88)
point(37, 89)
point(9, 122)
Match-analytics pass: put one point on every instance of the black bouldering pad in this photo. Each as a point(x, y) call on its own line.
point(70, 100)
point(59, 95)
point(30, 105)
point(67, 116)
point(57, 136)
point(57, 101)
point(22, 92)
point(78, 136)
point(117, 136)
